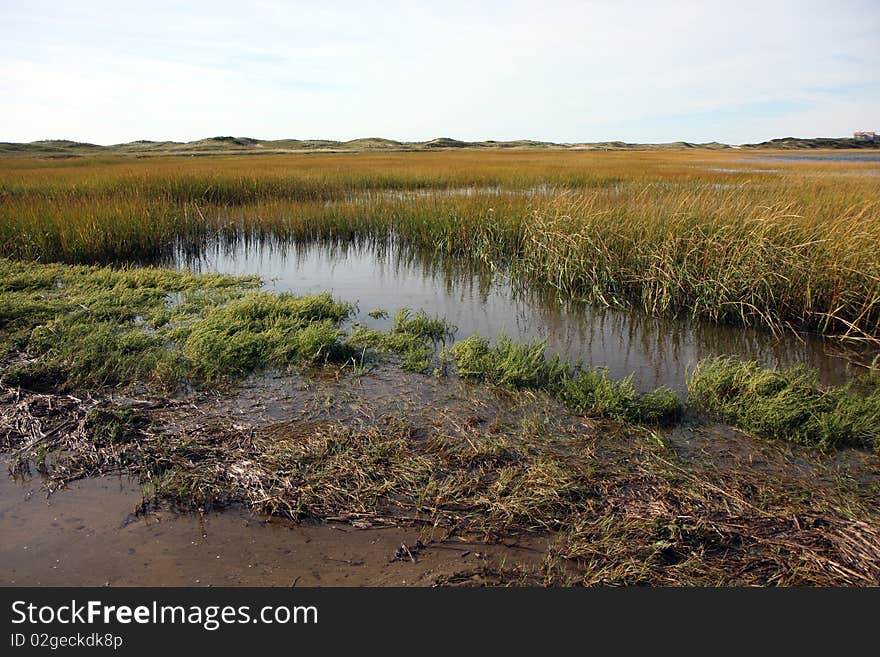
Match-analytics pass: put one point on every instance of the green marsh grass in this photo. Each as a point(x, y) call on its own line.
point(65, 326)
point(263, 330)
point(414, 336)
point(585, 390)
point(68, 326)
point(701, 234)
point(788, 403)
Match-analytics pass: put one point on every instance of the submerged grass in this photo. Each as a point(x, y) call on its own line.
point(789, 403)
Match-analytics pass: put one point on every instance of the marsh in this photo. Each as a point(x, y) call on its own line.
point(579, 361)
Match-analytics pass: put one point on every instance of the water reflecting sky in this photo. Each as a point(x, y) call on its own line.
point(658, 351)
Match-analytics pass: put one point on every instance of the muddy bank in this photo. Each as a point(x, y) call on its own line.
point(90, 535)
point(351, 469)
point(214, 398)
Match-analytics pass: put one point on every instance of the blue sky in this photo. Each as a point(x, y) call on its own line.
point(108, 72)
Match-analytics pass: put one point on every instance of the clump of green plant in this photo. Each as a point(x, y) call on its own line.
point(395, 343)
point(78, 325)
point(264, 329)
point(422, 325)
point(787, 403)
point(414, 337)
point(591, 391)
point(509, 363)
point(585, 390)
point(660, 406)
point(99, 352)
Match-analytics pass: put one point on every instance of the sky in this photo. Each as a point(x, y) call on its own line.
point(735, 72)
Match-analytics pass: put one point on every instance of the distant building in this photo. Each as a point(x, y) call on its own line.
point(865, 136)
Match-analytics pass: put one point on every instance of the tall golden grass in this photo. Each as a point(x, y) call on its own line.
point(713, 235)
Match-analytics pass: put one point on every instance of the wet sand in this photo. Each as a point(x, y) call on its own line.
point(89, 535)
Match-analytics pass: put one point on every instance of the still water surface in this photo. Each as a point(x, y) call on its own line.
point(656, 350)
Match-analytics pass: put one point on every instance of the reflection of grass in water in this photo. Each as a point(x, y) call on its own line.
point(649, 230)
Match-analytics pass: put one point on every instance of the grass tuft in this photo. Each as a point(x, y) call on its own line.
point(414, 337)
point(787, 403)
point(586, 391)
point(508, 363)
point(266, 330)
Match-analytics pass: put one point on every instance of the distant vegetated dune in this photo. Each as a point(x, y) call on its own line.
point(247, 145)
